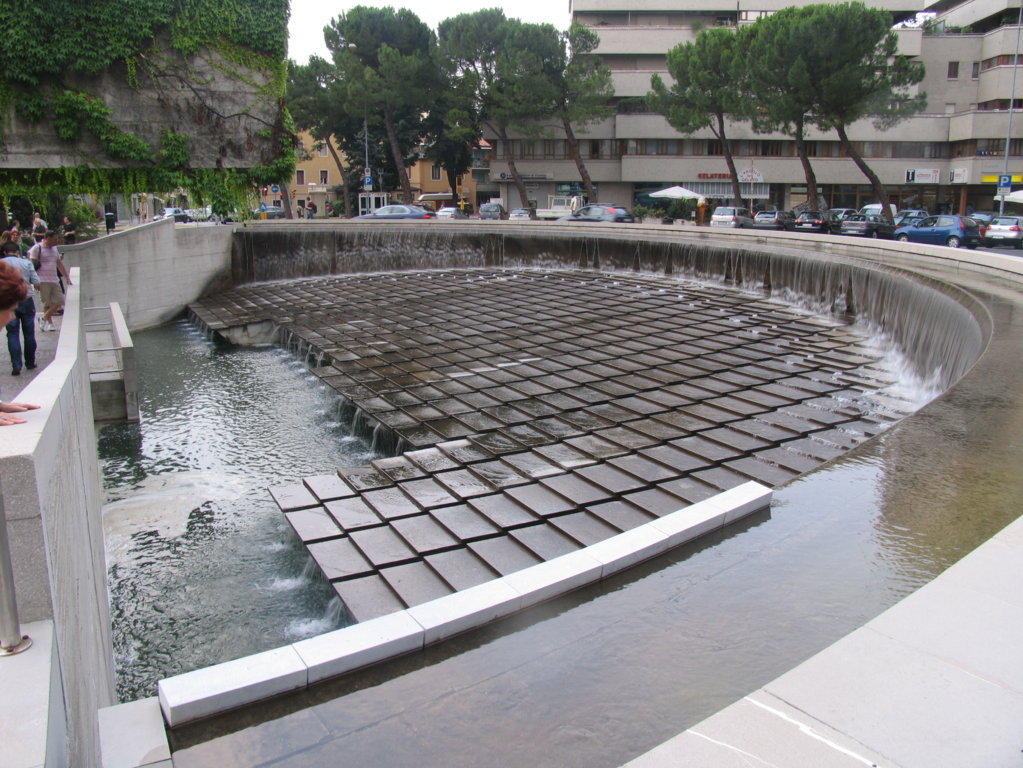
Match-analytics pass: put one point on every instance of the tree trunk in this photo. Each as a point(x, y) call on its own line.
point(345, 191)
point(573, 152)
point(453, 186)
point(286, 199)
point(520, 187)
point(399, 164)
point(729, 161)
point(875, 182)
point(811, 177)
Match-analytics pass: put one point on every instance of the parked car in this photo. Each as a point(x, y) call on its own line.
point(730, 216)
point(391, 212)
point(952, 231)
point(905, 218)
point(867, 225)
point(449, 212)
point(983, 219)
point(836, 215)
point(1004, 231)
point(178, 214)
point(813, 221)
point(519, 214)
point(600, 213)
point(781, 221)
point(493, 211)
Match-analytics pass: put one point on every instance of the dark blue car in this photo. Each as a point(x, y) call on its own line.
point(953, 231)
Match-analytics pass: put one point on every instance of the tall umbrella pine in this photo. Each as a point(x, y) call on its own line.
point(506, 64)
point(709, 79)
point(852, 51)
point(584, 91)
point(385, 58)
point(784, 84)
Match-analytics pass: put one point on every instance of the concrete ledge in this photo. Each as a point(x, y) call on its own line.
point(233, 684)
point(27, 682)
point(343, 650)
point(213, 690)
point(132, 735)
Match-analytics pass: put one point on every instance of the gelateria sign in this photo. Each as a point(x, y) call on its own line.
point(746, 176)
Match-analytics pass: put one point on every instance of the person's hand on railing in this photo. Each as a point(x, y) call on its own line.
point(7, 409)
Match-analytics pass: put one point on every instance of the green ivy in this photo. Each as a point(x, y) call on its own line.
point(58, 42)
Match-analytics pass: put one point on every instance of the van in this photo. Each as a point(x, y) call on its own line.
point(875, 208)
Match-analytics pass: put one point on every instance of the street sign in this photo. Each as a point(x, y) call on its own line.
point(367, 181)
point(1004, 184)
point(275, 189)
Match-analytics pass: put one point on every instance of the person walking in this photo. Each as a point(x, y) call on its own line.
point(39, 227)
point(13, 291)
point(50, 266)
point(24, 321)
point(69, 230)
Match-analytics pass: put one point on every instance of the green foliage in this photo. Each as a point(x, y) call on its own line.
point(52, 43)
point(83, 216)
point(642, 212)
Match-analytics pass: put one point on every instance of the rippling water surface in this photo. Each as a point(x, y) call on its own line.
point(202, 566)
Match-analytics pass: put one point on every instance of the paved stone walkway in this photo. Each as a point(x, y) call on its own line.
point(534, 413)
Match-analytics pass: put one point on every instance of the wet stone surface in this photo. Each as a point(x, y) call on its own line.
point(535, 413)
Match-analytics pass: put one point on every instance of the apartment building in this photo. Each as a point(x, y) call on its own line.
point(948, 157)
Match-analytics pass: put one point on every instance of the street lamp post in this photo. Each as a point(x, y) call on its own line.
point(1012, 104)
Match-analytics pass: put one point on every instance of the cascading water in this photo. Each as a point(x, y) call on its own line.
point(202, 565)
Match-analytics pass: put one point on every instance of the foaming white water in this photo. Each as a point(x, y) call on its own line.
point(160, 503)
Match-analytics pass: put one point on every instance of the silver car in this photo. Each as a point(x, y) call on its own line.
point(1004, 231)
point(731, 216)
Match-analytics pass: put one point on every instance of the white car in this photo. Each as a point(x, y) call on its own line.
point(451, 213)
point(730, 216)
point(519, 214)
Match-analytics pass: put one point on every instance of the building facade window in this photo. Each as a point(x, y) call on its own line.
point(435, 172)
point(299, 178)
point(975, 70)
point(324, 177)
point(953, 70)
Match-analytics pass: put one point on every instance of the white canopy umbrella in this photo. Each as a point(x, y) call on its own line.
point(677, 193)
point(1012, 197)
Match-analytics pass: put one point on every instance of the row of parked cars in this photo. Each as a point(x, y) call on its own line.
point(914, 225)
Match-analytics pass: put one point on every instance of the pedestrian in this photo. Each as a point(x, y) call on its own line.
point(13, 291)
point(69, 230)
point(24, 321)
point(39, 227)
point(310, 209)
point(50, 266)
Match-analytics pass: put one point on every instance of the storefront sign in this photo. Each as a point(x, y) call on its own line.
point(751, 176)
point(923, 176)
point(959, 176)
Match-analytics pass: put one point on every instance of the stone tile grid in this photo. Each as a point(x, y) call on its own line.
point(551, 425)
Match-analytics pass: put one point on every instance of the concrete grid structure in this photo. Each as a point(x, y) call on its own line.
point(949, 156)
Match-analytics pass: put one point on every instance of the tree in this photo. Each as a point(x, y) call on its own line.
point(784, 84)
point(503, 64)
point(851, 51)
point(317, 103)
point(453, 129)
point(583, 92)
point(386, 60)
point(709, 75)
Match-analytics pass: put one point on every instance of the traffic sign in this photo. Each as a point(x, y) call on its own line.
point(1004, 184)
point(275, 189)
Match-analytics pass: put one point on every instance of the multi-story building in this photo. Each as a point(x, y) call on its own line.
point(949, 156)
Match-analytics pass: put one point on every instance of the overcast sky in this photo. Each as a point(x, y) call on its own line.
point(309, 17)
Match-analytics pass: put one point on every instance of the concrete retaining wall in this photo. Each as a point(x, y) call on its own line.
point(51, 497)
point(153, 270)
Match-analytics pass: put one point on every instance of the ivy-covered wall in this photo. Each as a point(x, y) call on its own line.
point(143, 95)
